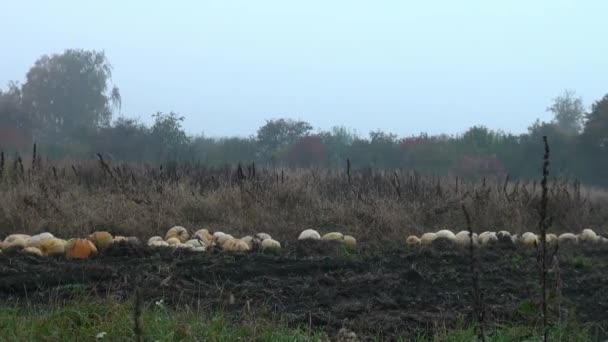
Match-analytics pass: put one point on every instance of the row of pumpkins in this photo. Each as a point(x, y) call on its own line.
point(487, 238)
point(45, 244)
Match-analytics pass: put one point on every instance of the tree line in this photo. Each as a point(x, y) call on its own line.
point(67, 104)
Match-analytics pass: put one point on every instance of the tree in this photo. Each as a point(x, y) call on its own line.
point(11, 112)
point(594, 143)
point(596, 126)
point(278, 134)
point(14, 122)
point(126, 139)
point(307, 151)
point(337, 142)
point(69, 92)
point(568, 112)
point(478, 139)
point(168, 136)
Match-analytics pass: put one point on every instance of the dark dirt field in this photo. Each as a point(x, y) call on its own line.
point(374, 293)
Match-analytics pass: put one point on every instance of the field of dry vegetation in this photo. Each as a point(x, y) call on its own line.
point(377, 206)
point(382, 290)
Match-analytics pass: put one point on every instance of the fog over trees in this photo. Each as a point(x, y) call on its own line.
point(69, 106)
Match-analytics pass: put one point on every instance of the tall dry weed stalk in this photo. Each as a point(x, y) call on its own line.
point(473, 264)
point(543, 225)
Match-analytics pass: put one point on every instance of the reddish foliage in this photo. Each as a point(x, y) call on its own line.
point(408, 142)
point(15, 137)
point(477, 166)
point(306, 151)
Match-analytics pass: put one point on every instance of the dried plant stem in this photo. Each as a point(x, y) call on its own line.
point(477, 298)
point(543, 226)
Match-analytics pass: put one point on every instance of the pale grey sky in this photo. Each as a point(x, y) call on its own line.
point(400, 66)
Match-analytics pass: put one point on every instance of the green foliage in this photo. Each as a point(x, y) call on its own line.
point(11, 111)
point(596, 126)
point(66, 106)
point(169, 140)
point(580, 261)
point(68, 92)
point(561, 333)
point(278, 134)
point(84, 320)
point(568, 112)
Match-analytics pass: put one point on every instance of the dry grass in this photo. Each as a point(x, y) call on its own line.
point(378, 206)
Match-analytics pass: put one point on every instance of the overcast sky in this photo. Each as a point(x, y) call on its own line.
point(400, 66)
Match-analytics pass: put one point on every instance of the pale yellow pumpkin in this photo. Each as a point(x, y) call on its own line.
point(15, 242)
point(350, 241)
point(204, 235)
point(335, 236)
point(101, 240)
point(35, 240)
point(178, 232)
point(412, 240)
point(173, 241)
point(52, 247)
point(32, 250)
point(271, 245)
point(236, 245)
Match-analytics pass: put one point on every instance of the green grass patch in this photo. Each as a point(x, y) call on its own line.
point(565, 333)
point(84, 320)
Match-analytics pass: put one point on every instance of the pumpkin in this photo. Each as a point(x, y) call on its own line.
point(157, 243)
point(588, 235)
point(79, 249)
point(551, 238)
point(263, 236)
point(173, 241)
point(178, 232)
point(13, 237)
point(462, 238)
point(350, 241)
point(52, 247)
point(15, 242)
point(335, 236)
point(196, 243)
point(32, 250)
point(35, 240)
point(101, 240)
point(224, 238)
point(412, 240)
point(487, 238)
point(184, 246)
point(271, 245)
point(154, 238)
point(204, 235)
point(309, 234)
point(427, 238)
point(445, 234)
point(236, 245)
point(529, 239)
point(567, 238)
point(249, 240)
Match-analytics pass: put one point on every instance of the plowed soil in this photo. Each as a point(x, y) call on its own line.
point(374, 293)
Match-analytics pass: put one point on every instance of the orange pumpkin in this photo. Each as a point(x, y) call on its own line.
point(79, 249)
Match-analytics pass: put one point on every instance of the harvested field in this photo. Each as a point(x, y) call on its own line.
point(386, 293)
